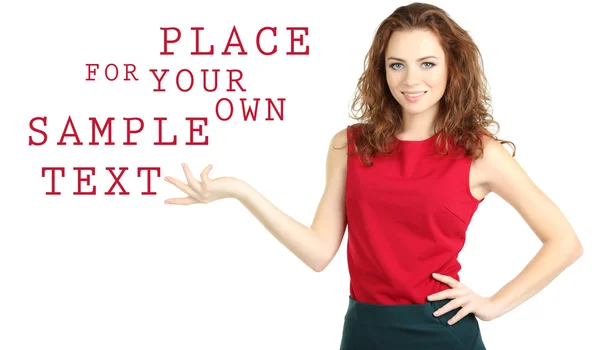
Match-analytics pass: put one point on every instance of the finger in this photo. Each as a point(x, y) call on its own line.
point(204, 175)
point(448, 294)
point(181, 201)
point(188, 175)
point(183, 187)
point(192, 182)
point(459, 315)
point(449, 307)
point(447, 279)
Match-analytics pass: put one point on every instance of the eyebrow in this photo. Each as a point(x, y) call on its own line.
point(420, 59)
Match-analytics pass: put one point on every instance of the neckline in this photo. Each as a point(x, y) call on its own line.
point(430, 138)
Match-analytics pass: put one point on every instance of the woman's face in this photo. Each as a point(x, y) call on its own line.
point(415, 63)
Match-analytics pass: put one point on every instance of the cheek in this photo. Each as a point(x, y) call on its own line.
point(437, 80)
point(393, 82)
point(434, 82)
point(389, 78)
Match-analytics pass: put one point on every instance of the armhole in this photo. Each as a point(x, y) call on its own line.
point(350, 139)
point(349, 149)
point(467, 177)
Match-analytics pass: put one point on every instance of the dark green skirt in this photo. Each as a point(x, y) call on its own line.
point(407, 327)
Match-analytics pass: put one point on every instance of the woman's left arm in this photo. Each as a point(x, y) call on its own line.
point(504, 176)
point(561, 247)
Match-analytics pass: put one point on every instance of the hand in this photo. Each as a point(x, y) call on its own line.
point(471, 302)
point(206, 191)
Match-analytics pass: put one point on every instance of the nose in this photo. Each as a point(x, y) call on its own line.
point(412, 77)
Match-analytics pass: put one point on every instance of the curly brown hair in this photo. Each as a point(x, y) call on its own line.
point(464, 110)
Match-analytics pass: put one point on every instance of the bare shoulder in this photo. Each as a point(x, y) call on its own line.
point(340, 138)
point(499, 172)
point(338, 145)
point(484, 169)
point(496, 164)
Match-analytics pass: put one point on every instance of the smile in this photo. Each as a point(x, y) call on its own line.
point(414, 97)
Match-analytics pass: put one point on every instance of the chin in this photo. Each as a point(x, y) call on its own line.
point(415, 109)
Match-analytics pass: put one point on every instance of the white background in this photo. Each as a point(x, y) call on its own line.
point(128, 272)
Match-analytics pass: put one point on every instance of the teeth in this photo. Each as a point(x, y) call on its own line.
point(414, 95)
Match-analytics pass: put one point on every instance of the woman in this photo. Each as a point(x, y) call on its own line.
point(417, 167)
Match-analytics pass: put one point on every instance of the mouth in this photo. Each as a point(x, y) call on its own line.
point(414, 94)
point(413, 97)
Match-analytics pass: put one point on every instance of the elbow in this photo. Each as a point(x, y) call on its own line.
point(578, 250)
point(320, 264)
point(322, 258)
point(572, 249)
point(319, 267)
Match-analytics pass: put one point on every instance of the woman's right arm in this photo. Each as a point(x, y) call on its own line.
point(316, 245)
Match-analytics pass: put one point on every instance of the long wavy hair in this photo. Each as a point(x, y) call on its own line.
point(464, 110)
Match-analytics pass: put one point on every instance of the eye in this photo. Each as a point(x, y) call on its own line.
point(397, 65)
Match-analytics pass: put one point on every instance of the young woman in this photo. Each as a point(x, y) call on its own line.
point(416, 169)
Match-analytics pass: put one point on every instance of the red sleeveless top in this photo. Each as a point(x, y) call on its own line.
point(407, 217)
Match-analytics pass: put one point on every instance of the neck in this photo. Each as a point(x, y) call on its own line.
point(417, 126)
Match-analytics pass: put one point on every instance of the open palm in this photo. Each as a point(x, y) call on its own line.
point(204, 191)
